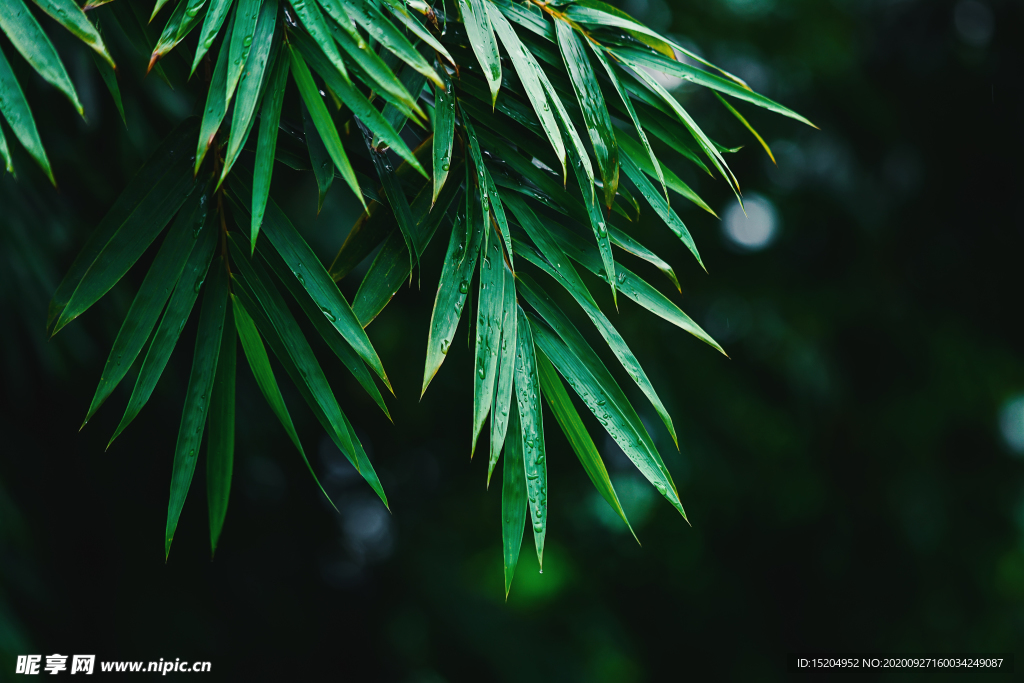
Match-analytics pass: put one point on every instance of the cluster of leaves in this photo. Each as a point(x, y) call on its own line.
point(471, 116)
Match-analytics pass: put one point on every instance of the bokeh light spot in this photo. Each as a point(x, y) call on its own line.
point(757, 229)
point(1011, 423)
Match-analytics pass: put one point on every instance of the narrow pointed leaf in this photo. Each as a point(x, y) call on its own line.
point(631, 246)
point(14, 108)
point(530, 74)
point(5, 153)
point(171, 324)
point(215, 17)
point(216, 103)
point(110, 80)
point(27, 36)
point(477, 22)
point(270, 118)
point(398, 11)
point(503, 404)
point(746, 124)
point(490, 200)
point(319, 159)
point(382, 30)
point(149, 302)
point(70, 16)
point(322, 120)
point(313, 19)
point(397, 201)
point(576, 433)
point(444, 132)
point(179, 24)
point(244, 36)
point(397, 114)
point(456, 273)
point(197, 396)
point(527, 389)
point(513, 499)
point(220, 449)
point(490, 301)
point(157, 6)
point(637, 155)
point(595, 112)
point(356, 101)
point(576, 361)
point(601, 14)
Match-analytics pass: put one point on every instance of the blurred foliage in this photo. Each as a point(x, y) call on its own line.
point(850, 473)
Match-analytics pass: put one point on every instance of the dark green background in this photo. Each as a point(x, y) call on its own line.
point(844, 472)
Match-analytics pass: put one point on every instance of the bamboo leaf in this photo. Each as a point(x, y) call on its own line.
point(186, 290)
point(396, 198)
point(513, 499)
point(358, 103)
point(595, 112)
point(323, 167)
point(220, 453)
point(270, 118)
point(602, 15)
point(382, 30)
point(180, 24)
point(636, 154)
point(316, 25)
point(398, 11)
point(152, 295)
point(444, 132)
point(490, 200)
point(28, 38)
point(110, 80)
point(215, 17)
point(398, 114)
point(528, 392)
point(5, 153)
point(559, 267)
point(739, 117)
point(576, 433)
point(244, 35)
point(197, 396)
point(259, 363)
point(490, 302)
point(14, 108)
point(130, 234)
point(477, 18)
point(322, 120)
point(503, 404)
point(457, 271)
point(531, 75)
point(258, 74)
point(70, 16)
point(576, 361)
point(216, 102)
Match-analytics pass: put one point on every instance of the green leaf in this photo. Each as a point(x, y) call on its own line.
point(354, 100)
point(490, 200)
point(602, 15)
point(149, 302)
point(129, 18)
point(382, 30)
point(270, 119)
point(595, 112)
point(597, 222)
point(307, 269)
point(70, 16)
point(391, 267)
point(313, 21)
point(341, 348)
point(259, 363)
point(322, 120)
point(631, 246)
point(291, 348)
point(398, 11)
point(658, 62)
point(216, 103)
point(398, 114)
point(396, 198)
point(559, 267)
point(110, 80)
point(528, 393)
point(662, 173)
point(244, 34)
point(661, 207)
point(576, 433)
point(5, 153)
point(587, 375)
point(14, 108)
point(197, 396)
point(444, 132)
point(319, 159)
point(747, 125)
point(531, 20)
point(513, 499)
point(27, 36)
point(477, 22)
point(215, 17)
point(130, 234)
point(186, 290)
point(490, 302)
point(456, 273)
point(503, 403)
point(181, 22)
point(628, 104)
point(157, 6)
point(220, 453)
point(258, 74)
point(532, 78)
